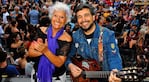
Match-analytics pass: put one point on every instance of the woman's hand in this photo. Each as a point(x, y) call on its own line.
point(40, 46)
point(113, 77)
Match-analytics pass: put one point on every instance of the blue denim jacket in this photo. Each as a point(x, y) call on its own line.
point(111, 59)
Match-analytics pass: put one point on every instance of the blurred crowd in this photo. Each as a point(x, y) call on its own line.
point(20, 19)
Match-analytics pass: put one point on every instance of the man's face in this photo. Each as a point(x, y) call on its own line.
point(3, 10)
point(102, 20)
point(85, 18)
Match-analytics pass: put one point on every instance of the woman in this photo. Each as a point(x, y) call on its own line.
point(15, 43)
point(25, 66)
point(54, 50)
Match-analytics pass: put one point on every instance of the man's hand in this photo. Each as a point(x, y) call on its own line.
point(113, 77)
point(75, 70)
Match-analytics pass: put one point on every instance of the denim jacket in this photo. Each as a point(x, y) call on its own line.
point(111, 58)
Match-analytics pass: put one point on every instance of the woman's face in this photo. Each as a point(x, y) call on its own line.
point(131, 33)
point(18, 37)
point(58, 19)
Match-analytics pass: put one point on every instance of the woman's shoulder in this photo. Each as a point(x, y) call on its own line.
point(66, 37)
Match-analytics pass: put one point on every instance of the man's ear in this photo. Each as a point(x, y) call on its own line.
point(93, 17)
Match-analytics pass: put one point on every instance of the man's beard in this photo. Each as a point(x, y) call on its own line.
point(88, 27)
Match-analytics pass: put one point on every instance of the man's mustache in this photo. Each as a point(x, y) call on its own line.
point(84, 22)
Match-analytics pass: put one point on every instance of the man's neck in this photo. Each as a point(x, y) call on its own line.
point(100, 24)
point(91, 30)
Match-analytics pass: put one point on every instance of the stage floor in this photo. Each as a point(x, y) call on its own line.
point(25, 79)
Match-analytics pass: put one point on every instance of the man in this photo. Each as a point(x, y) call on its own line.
point(15, 13)
point(5, 14)
point(1, 32)
point(5, 68)
point(93, 42)
point(34, 16)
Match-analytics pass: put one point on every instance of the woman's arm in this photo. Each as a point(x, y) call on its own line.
point(57, 59)
point(16, 45)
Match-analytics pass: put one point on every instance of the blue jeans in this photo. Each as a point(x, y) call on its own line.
point(11, 70)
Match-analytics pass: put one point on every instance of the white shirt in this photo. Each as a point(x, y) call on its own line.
point(5, 17)
point(1, 30)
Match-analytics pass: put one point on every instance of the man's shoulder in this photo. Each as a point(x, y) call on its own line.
point(108, 31)
point(77, 32)
point(77, 35)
